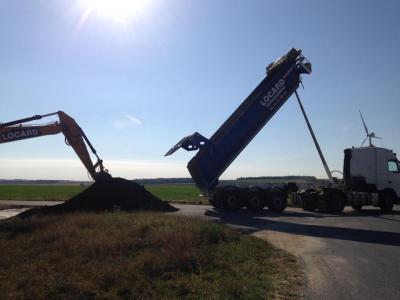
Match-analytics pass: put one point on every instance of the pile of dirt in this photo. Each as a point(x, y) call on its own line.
point(116, 194)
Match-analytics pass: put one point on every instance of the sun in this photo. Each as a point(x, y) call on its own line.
point(118, 10)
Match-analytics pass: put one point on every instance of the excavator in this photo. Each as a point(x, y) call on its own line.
point(74, 136)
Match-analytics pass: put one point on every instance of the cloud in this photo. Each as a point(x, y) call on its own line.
point(126, 121)
point(346, 129)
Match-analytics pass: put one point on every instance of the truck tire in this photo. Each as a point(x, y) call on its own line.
point(309, 204)
point(231, 200)
point(276, 200)
point(254, 200)
point(215, 200)
point(336, 202)
point(308, 200)
point(386, 201)
point(357, 207)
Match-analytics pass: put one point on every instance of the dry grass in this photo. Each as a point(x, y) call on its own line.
point(138, 255)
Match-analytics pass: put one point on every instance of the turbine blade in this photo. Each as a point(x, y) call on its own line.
point(364, 141)
point(362, 119)
point(378, 137)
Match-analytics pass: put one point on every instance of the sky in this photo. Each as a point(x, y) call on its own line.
point(139, 79)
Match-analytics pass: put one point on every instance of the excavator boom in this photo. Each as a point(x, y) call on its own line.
point(74, 137)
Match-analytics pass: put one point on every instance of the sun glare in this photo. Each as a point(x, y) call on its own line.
point(118, 10)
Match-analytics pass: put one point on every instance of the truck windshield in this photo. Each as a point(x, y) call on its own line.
point(393, 166)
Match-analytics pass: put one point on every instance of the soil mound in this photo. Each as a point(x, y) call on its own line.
point(111, 195)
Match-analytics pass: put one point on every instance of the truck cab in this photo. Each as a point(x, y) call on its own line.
point(371, 169)
point(371, 176)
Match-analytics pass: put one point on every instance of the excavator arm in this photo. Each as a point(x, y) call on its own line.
point(74, 137)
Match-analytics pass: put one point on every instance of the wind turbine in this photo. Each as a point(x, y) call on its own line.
point(369, 135)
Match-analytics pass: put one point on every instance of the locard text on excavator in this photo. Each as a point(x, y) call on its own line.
point(74, 136)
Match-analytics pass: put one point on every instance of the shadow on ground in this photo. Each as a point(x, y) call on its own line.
point(251, 223)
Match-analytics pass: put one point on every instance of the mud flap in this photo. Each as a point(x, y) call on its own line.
point(189, 143)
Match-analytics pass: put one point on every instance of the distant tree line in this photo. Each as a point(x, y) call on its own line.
point(280, 178)
point(171, 181)
point(145, 181)
point(41, 181)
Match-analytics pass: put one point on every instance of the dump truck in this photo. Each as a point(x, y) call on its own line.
point(216, 154)
point(74, 136)
point(371, 175)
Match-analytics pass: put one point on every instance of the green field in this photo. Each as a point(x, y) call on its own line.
point(172, 193)
point(139, 256)
point(178, 193)
point(39, 192)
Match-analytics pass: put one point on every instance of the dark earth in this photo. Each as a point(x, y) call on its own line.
point(116, 194)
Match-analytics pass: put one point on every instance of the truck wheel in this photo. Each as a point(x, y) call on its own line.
point(254, 200)
point(309, 204)
point(215, 201)
point(231, 200)
point(386, 202)
point(308, 201)
point(276, 200)
point(336, 203)
point(357, 207)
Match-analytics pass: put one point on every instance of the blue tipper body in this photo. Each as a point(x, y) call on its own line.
point(218, 152)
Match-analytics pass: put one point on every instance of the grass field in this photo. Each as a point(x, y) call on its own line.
point(172, 193)
point(178, 193)
point(139, 256)
point(39, 192)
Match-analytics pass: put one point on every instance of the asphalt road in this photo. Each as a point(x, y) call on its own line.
point(348, 256)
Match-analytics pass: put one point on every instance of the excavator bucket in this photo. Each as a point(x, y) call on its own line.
point(75, 137)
